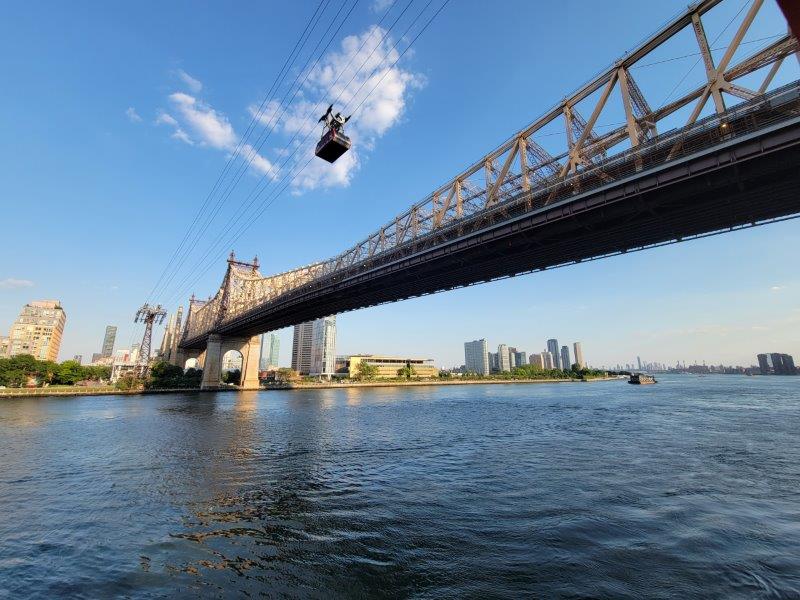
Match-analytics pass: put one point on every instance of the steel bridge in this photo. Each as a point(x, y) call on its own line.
point(522, 209)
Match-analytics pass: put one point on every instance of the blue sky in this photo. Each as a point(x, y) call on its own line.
point(117, 121)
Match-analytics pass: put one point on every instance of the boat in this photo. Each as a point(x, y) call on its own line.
point(641, 379)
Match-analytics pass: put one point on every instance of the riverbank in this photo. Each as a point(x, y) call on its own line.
point(322, 385)
point(426, 382)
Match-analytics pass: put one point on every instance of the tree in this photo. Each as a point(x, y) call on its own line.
point(69, 372)
point(366, 371)
point(128, 382)
point(232, 377)
point(286, 374)
point(408, 371)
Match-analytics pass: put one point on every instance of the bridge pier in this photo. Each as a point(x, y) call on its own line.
point(217, 346)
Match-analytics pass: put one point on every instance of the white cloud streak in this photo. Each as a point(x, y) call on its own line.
point(132, 115)
point(194, 85)
point(195, 122)
point(11, 283)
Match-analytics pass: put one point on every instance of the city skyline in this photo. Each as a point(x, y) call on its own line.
point(715, 299)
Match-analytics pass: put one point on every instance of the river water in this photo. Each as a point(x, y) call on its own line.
point(689, 488)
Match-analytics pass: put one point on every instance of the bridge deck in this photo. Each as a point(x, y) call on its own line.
point(728, 171)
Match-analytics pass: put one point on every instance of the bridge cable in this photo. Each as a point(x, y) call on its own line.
point(290, 59)
point(297, 173)
point(255, 192)
point(262, 139)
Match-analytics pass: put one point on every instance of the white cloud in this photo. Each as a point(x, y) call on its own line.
point(133, 115)
point(381, 5)
point(12, 284)
point(777, 288)
point(194, 85)
point(209, 128)
point(358, 76)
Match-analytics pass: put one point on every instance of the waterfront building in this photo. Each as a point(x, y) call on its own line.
point(776, 363)
point(503, 358)
point(549, 360)
point(270, 351)
point(108, 340)
point(520, 358)
point(389, 365)
point(565, 362)
point(494, 362)
point(537, 360)
point(639, 363)
point(38, 330)
point(578, 350)
point(78, 358)
point(314, 347)
point(552, 348)
point(323, 346)
point(301, 347)
point(476, 357)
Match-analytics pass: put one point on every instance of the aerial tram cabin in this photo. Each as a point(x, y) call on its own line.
point(334, 142)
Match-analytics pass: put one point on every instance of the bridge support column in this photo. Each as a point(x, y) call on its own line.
point(217, 346)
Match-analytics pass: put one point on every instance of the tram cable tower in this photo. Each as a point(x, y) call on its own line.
point(149, 315)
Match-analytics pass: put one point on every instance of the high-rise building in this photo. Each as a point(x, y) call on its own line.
point(549, 360)
point(323, 346)
point(270, 350)
point(301, 347)
point(314, 347)
point(579, 355)
point(639, 363)
point(565, 362)
point(764, 364)
point(503, 358)
point(172, 334)
point(552, 348)
point(782, 364)
point(494, 362)
point(476, 357)
point(520, 358)
point(38, 330)
point(537, 360)
point(108, 340)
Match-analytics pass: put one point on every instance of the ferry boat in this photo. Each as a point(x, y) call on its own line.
point(642, 379)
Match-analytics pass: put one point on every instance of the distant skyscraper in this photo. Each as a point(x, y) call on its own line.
point(537, 360)
point(520, 358)
point(549, 361)
point(476, 357)
point(270, 350)
point(639, 363)
point(494, 362)
point(764, 364)
point(503, 358)
point(579, 355)
point(38, 330)
point(565, 362)
point(782, 364)
point(323, 346)
point(108, 341)
point(301, 347)
point(552, 348)
point(314, 347)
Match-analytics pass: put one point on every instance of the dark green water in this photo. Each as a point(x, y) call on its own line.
point(689, 488)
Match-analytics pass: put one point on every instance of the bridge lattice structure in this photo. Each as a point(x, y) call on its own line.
point(521, 176)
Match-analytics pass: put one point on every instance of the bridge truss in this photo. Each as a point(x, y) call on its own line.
point(521, 175)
